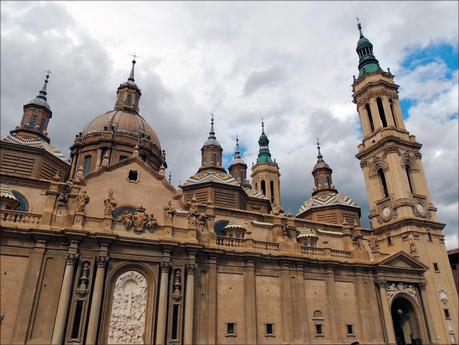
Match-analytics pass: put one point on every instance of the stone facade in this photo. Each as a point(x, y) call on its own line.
point(111, 252)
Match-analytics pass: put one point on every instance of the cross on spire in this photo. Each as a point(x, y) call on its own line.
point(319, 155)
point(359, 26)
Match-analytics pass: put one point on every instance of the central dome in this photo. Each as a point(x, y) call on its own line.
point(122, 122)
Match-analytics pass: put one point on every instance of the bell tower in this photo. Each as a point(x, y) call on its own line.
point(402, 214)
point(265, 173)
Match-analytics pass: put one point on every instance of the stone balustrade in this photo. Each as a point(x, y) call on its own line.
point(19, 217)
point(266, 245)
point(230, 241)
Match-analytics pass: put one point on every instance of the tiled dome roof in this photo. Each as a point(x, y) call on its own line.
point(327, 198)
point(123, 122)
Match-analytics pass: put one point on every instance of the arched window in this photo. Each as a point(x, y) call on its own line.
point(391, 105)
point(382, 114)
point(271, 187)
point(129, 99)
point(33, 122)
point(408, 176)
point(215, 159)
point(370, 117)
point(316, 181)
point(317, 314)
point(242, 176)
point(219, 226)
point(383, 182)
point(23, 203)
point(263, 187)
point(329, 181)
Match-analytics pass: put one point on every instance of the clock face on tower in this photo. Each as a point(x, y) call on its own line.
point(420, 207)
point(386, 212)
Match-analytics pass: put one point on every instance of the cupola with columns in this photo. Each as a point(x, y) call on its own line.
point(37, 113)
point(211, 151)
point(238, 167)
point(265, 173)
point(326, 204)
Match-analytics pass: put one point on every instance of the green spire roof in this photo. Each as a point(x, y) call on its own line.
point(264, 156)
point(367, 61)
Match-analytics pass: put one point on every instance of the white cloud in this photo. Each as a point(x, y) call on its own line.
point(290, 62)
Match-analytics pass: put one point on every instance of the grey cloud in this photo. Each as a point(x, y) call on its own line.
point(265, 78)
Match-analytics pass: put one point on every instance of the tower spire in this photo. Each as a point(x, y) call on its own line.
point(264, 156)
point(131, 75)
point(42, 93)
point(237, 153)
point(212, 131)
point(319, 154)
point(359, 26)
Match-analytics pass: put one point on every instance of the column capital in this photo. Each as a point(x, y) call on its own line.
point(190, 268)
point(71, 258)
point(165, 267)
point(381, 282)
point(101, 261)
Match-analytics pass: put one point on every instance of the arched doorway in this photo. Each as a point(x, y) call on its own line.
point(406, 326)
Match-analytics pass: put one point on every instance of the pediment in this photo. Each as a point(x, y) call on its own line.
point(401, 260)
point(150, 191)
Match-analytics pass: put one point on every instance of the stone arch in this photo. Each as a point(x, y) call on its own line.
point(377, 164)
point(23, 202)
point(407, 319)
point(129, 308)
point(407, 160)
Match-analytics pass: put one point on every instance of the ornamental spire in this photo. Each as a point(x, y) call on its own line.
point(319, 155)
point(42, 93)
point(237, 153)
point(367, 61)
point(212, 131)
point(264, 156)
point(131, 75)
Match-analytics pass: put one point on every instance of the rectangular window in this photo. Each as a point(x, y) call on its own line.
point(87, 165)
point(446, 313)
point(389, 240)
point(230, 329)
point(175, 312)
point(269, 329)
point(436, 268)
point(319, 329)
point(350, 330)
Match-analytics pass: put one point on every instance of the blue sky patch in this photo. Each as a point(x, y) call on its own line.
point(446, 53)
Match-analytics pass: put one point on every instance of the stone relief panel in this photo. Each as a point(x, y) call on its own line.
point(129, 304)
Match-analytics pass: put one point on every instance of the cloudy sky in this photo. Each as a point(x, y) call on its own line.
point(291, 63)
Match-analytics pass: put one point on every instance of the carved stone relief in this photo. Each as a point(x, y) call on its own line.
point(139, 221)
point(393, 289)
point(129, 304)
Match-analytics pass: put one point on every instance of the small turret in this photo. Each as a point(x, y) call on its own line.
point(238, 167)
point(211, 151)
point(128, 93)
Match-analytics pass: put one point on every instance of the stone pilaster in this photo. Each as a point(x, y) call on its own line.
point(212, 300)
point(162, 303)
point(427, 313)
point(250, 302)
point(189, 304)
point(66, 293)
point(388, 324)
point(332, 305)
point(94, 316)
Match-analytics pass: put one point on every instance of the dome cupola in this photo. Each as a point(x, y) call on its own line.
point(116, 134)
point(367, 61)
point(211, 151)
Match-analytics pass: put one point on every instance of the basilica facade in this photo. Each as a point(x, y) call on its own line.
point(101, 248)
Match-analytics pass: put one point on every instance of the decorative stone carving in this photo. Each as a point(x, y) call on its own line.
point(165, 267)
point(443, 296)
point(413, 249)
point(177, 286)
point(64, 194)
point(82, 200)
point(109, 204)
point(393, 289)
point(129, 304)
point(373, 243)
point(193, 214)
point(82, 289)
point(139, 221)
point(169, 213)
